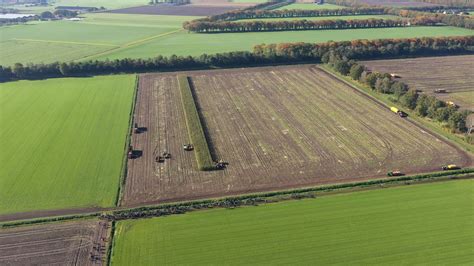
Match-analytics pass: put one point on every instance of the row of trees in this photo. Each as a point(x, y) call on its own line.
point(423, 105)
point(448, 19)
point(261, 54)
point(293, 25)
point(291, 13)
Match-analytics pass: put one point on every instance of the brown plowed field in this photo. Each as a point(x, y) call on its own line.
point(278, 127)
point(200, 9)
point(453, 73)
point(69, 243)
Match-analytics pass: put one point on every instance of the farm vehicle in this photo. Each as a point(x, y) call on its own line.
point(452, 104)
point(161, 158)
point(137, 129)
point(188, 147)
point(133, 154)
point(399, 112)
point(450, 167)
point(395, 173)
point(221, 164)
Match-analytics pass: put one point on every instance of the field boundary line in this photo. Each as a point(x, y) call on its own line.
point(138, 42)
point(129, 45)
point(180, 207)
point(124, 167)
point(466, 153)
point(66, 42)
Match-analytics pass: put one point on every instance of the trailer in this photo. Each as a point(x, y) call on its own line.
point(395, 173)
point(399, 112)
point(450, 167)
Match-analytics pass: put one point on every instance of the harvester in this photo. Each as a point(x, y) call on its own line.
point(399, 112)
point(440, 91)
point(450, 167)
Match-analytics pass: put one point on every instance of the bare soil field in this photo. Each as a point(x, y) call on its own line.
point(200, 9)
point(278, 127)
point(452, 73)
point(68, 243)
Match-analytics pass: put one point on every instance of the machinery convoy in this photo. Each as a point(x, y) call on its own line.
point(221, 164)
point(134, 154)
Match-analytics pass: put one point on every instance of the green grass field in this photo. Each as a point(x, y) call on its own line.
point(183, 43)
point(117, 36)
point(309, 6)
point(62, 142)
point(421, 224)
point(327, 18)
point(66, 40)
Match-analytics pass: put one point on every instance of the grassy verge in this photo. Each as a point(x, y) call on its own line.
point(425, 122)
point(253, 199)
point(110, 247)
point(193, 124)
point(123, 174)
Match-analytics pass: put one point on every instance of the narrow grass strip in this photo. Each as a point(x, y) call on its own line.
point(124, 172)
point(194, 126)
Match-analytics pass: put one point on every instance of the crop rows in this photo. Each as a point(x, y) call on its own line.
point(278, 128)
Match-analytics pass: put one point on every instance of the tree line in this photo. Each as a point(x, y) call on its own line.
point(423, 105)
point(223, 23)
point(416, 14)
point(291, 13)
point(262, 54)
point(294, 25)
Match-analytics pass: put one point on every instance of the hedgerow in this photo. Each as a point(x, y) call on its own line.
point(194, 126)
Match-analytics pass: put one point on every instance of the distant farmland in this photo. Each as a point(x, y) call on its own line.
point(117, 36)
point(420, 224)
point(62, 142)
point(183, 43)
point(46, 42)
point(278, 128)
point(452, 73)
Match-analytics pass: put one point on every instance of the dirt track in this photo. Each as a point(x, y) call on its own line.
point(69, 243)
point(278, 128)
